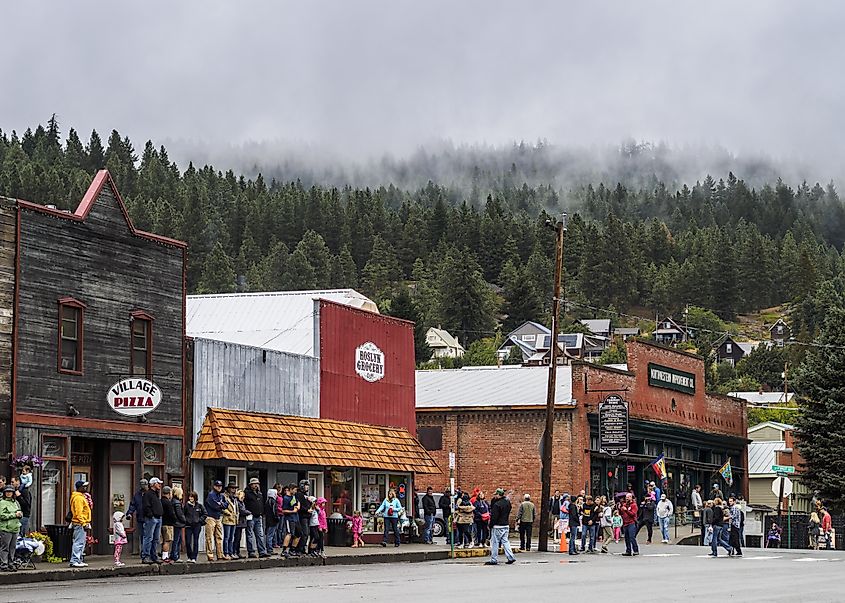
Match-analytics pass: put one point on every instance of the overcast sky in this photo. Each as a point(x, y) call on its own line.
point(368, 77)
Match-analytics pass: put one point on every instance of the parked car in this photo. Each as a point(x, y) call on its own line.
point(439, 528)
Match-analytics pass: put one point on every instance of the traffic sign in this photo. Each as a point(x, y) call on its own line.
point(783, 468)
point(451, 460)
point(787, 486)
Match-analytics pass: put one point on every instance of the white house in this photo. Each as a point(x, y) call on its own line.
point(442, 344)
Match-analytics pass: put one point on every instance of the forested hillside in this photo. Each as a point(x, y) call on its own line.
point(717, 243)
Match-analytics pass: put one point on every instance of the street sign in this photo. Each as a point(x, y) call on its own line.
point(613, 426)
point(451, 460)
point(787, 486)
point(783, 469)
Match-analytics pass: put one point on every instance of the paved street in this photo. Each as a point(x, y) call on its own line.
point(683, 573)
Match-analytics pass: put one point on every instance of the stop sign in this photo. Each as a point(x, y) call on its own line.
point(787, 486)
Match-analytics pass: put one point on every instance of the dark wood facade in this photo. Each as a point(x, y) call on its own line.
point(93, 261)
point(729, 351)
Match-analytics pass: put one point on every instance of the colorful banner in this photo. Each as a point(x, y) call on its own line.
point(726, 473)
point(659, 466)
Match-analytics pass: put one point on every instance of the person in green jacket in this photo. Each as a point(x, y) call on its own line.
point(10, 525)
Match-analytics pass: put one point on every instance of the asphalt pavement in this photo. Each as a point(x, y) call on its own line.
point(660, 573)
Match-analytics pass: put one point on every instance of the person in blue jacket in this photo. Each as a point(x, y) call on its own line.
point(136, 507)
point(215, 502)
point(389, 510)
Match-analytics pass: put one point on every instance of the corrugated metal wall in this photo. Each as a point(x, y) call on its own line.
point(344, 394)
point(239, 377)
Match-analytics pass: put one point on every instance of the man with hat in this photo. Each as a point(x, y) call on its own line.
point(80, 520)
point(500, 512)
point(215, 502)
point(10, 525)
point(153, 511)
point(136, 508)
point(254, 503)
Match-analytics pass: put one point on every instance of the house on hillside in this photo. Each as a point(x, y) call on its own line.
point(780, 332)
point(524, 338)
point(598, 326)
point(727, 349)
point(669, 332)
point(443, 344)
point(626, 333)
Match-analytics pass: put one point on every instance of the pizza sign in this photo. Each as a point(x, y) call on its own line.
point(134, 397)
point(369, 362)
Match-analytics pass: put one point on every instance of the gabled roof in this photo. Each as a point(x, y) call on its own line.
point(779, 321)
point(282, 320)
point(251, 437)
point(101, 180)
point(763, 397)
point(674, 328)
point(536, 325)
point(761, 457)
point(597, 326)
point(446, 338)
point(623, 331)
point(772, 424)
point(490, 386)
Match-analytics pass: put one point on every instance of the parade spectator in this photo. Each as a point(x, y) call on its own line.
point(525, 519)
point(707, 523)
point(271, 519)
point(446, 510)
point(464, 519)
point(195, 518)
point(773, 537)
point(168, 521)
point(153, 511)
point(10, 527)
point(569, 521)
point(695, 497)
point(554, 513)
point(357, 529)
point(80, 521)
point(616, 523)
point(715, 493)
point(230, 519)
point(290, 514)
point(827, 528)
point(178, 524)
point(665, 510)
point(305, 505)
point(647, 511)
point(24, 498)
point(215, 503)
point(119, 532)
point(429, 507)
point(240, 525)
point(814, 530)
point(589, 523)
point(25, 478)
point(500, 511)
point(629, 512)
point(389, 510)
point(256, 545)
point(735, 526)
point(606, 523)
point(718, 524)
point(136, 508)
point(481, 518)
point(577, 519)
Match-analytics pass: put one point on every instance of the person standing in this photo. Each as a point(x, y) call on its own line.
point(429, 507)
point(10, 526)
point(178, 524)
point(305, 504)
point(500, 511)
point(153, 512)
point(271, 519)
point(554, 514)
point(718, 524)
point(80, 521)
point(136, 510)
point(168, 521)
point(698, 509)
point(215, 503)
point(525, 521)
point(465, 512)
point(230, 520)
point(665, 510)
point(24, 498)
point(589, 522)
point(629, 511)
point(389, 510)
point(256, 545)
point(606, 523)
point(195, 519)
point(482, 520)
point(707, 523)
point(647, 511)
point(715, 493)
point(446, 510)
point(827, 528)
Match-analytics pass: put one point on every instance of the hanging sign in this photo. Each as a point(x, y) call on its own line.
point(134, 397)
point(613, 426)
point(369, 362)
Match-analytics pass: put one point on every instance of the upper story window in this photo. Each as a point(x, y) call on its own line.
point(71, 314)
point(142, 345)
point(728, 348)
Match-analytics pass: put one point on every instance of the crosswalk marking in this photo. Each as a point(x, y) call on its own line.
point(812, 559)
point(663, 555)
point(772, 557)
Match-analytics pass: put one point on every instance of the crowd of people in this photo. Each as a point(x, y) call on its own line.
point(15, 510)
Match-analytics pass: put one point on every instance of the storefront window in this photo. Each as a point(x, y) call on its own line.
point(342, 499)
point(400, 485)
point(153, 461)
point(52, 490)
point(54, 447)
point(373, 490)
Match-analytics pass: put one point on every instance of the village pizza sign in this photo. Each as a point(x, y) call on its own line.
point(134, 397)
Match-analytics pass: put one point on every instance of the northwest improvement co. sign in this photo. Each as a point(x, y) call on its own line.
point(134, 397)
point(663, 376)
point(369, 362)
point(613, 426)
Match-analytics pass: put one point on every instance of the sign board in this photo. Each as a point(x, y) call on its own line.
point(451, 460)
point(451, 485)
point(787, 486)
point(369, 362)
point(783, 468)
point(631, 468)
point(613, 425)
point(670, 378)
point(133, 397)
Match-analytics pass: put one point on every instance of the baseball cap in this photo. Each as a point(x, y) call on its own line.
point(144, 482)
point(500, 491)
point(217, 482)
point(9, 489)
point(253, 480)
point(155, 480)
point(80, 483)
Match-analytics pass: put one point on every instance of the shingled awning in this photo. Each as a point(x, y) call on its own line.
point(266, 438)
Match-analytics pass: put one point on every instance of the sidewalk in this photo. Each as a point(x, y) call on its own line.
point(102, 566)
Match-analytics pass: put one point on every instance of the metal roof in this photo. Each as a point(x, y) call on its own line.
point(761, 457)
point(597, 326)
point(480, 386)
point(762, 397)
point(773, 424)
point(281, 321)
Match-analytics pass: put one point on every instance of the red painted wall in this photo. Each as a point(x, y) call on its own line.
point(345, 395)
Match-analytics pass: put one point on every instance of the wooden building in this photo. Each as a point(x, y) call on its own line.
point(90, 308)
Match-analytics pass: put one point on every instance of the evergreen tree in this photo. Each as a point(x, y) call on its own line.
point(95, 152)
point(521, 300)
point(299, 274)
point(218, 274)
point(403, 306)
point(381, 271)
point(466, 303)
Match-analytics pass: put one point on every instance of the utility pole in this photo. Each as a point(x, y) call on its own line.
point(546, 449)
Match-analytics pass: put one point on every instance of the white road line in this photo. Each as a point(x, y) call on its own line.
point(663, 555)
point(812, 559)
point(774, 557)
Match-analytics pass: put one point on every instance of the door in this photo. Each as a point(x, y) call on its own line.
point(316, 484)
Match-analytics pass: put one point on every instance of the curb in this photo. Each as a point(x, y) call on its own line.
point(179, 569)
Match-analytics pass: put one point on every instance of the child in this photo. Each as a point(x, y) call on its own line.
point(119, 537)
point(26, 478)
point(357, 529)
point(773, 537)
point(616, 522)
point(313, 528)
point(323, 526)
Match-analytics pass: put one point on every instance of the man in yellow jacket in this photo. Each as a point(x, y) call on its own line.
point(81, 519)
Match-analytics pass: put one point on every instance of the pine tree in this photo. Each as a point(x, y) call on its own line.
point(403, 306)
point(299, 274)
point(315, 249)
point(96, 154)
point(466, 303)
point(218, 274)
point(521, 300)
point(345, 273)
point(381, 271)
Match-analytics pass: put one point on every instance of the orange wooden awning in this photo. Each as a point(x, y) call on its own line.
point(283, 439)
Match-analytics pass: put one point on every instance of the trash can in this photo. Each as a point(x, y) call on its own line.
point(337, 531)
point(62, 538)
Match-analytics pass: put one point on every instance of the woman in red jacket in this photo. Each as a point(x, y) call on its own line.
point(628, 509)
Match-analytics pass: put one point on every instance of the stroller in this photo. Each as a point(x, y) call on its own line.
point(24, 550)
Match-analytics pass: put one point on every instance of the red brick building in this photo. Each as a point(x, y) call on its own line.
point(493, 420)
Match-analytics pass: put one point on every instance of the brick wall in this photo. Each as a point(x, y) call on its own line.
point(501, 449)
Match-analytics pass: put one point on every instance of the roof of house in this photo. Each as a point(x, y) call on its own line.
point(763, 398)
point(626, 331)
point(596, 326)
point(569, 340)
point(446, 337)
point(779, 321)
point(772, 424)
point(761, 457)
point(251, 437)
point(281, 321)
point(747, 346)
point(536, 325)
point(490, 386)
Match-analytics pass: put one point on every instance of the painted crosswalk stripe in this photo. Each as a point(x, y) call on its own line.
point(773, 557)
point(812, 559)
point(663, 555)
